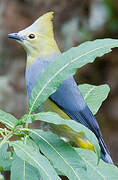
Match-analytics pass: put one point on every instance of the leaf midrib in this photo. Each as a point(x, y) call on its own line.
point(32, 159)
point(62, 70)
point(89, 91)
point(24, 172)
point(55, 151)
point(94, 168)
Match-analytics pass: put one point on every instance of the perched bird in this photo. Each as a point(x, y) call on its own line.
point(41, 48)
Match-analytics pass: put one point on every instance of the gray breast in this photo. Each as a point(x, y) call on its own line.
point(34, 71)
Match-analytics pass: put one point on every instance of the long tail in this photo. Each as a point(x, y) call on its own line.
point(105, 154)
point(70, 100)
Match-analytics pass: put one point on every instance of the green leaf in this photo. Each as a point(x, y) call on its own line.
point(94, 95)
point(65, 65)
point(61, 154)
point(65, 128)
point(102, 171)
point(34, 158)
point(7, 119)
point(5, 158)
point(21, 170)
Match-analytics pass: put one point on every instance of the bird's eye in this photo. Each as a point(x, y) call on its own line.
point(31, 36)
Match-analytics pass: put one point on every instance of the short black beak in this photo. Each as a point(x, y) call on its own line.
point(15, 36)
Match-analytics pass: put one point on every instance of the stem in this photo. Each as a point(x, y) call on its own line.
point(4, 130)
point(26, 125)
point(25, 129)
point(2, 134)
point(5, 139)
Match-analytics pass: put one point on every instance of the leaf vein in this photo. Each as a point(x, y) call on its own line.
point(62, 70)
point(32, 159)
point(54, 150)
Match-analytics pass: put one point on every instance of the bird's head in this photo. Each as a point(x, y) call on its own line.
point(38, 39)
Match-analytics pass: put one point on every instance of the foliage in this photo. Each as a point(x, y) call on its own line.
point(66, 65)
point(92, 93)
point(100, 171)
point(38, 154)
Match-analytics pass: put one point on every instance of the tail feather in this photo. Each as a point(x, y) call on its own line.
point(105, 154)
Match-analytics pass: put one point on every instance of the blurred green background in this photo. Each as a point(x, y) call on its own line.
point(75, 21)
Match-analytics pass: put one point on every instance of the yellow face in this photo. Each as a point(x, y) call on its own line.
point(29, 40)
point(38, 39)
point(36, 36)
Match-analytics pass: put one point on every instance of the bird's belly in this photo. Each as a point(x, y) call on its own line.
point(51, 106)
point(65, 131)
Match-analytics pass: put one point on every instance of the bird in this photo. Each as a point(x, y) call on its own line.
point(41, 49)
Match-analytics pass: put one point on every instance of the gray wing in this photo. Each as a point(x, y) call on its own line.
point(69, 99)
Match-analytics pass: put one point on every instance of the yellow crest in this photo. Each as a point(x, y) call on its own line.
point(43, 25)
